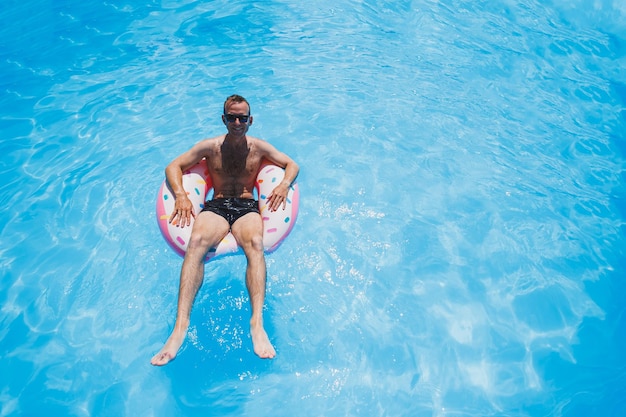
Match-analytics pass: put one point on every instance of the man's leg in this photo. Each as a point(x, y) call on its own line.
point(208, 230)
point(248, 230)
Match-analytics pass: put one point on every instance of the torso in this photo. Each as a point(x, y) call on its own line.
point(233, 166)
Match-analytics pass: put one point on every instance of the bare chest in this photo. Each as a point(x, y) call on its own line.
point(233, 169)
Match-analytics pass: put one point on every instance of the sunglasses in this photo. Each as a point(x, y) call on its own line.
point(230, 118)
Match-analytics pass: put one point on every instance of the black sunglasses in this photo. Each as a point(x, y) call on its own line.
point(230, 118)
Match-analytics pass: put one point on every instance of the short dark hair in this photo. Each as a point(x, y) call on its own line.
point(236, 98)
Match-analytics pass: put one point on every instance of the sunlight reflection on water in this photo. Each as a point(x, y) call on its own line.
point(460, 237)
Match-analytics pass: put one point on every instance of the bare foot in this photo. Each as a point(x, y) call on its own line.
point(261, 343)
point(169, 350)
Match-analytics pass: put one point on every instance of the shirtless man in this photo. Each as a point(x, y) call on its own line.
point(234, 160)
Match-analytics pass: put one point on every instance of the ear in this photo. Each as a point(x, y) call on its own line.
point(224, 119)
point(250, 119)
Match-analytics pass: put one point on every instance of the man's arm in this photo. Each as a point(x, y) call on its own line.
point(183, 208)
point(278, 196)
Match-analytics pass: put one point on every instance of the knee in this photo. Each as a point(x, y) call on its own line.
point(255, 244)
point(198, 242)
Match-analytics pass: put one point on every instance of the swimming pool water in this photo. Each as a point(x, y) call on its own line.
point(460, 244)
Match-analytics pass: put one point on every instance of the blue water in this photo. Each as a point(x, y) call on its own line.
point(460, 244)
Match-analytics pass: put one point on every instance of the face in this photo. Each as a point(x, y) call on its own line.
point(235, 125)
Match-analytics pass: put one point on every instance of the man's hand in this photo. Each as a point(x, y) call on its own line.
point(278, 196)
point(183, 212)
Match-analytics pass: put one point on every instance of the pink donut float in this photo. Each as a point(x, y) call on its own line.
point(197, 182)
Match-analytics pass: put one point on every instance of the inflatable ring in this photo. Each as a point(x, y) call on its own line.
point(198, 185)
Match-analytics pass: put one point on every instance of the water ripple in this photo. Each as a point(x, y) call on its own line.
point(459, 244)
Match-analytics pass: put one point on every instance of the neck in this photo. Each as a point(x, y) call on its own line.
point(235, 139)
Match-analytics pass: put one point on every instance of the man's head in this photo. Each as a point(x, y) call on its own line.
point(236, 115)
point(235, 98)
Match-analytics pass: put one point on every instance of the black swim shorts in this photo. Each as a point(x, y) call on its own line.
point(231, 208)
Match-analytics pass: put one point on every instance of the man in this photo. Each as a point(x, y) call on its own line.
point(234, 160)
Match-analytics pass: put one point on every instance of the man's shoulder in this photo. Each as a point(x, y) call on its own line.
point(213, 140)
point(257, 142)
point(253, 139)
point(210, 143)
